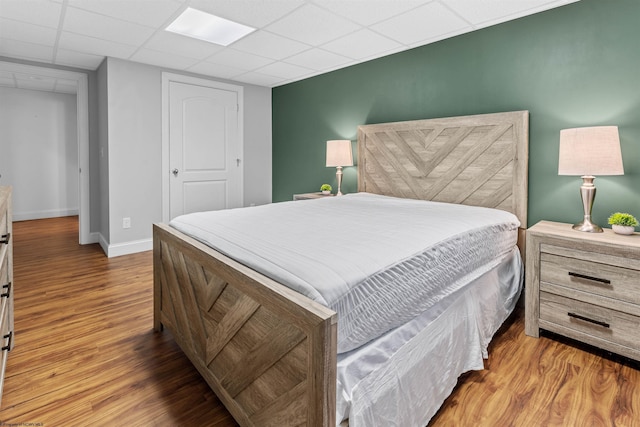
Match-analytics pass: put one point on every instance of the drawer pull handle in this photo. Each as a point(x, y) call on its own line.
point(595, 279)
point(8, 346)
point(5, 238)
point(586, 319)
point(8, 288)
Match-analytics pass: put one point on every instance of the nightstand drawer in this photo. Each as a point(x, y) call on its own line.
point(602, 279)
point(599, 322)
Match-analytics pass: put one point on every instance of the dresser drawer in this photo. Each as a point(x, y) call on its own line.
point(601, 279)
point(603, 323)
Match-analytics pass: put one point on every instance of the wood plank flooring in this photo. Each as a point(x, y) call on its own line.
point(85, 354)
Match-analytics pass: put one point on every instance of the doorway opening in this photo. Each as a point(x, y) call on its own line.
point(39, 77)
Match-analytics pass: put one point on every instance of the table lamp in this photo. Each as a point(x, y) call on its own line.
point(587, 152)
point(339, 154)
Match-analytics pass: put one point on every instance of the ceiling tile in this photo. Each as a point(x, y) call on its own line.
point(373, 11)
point(151, 13)
point(94, 46)
point(269, 45)
point(362, 44)
point(44, 13)
point(78, 59)
point(255, 13)
point(496, 10)
point(211, 69)
point(182, 45)
point(240, 60)
point(103, 27)
point(162, 59)
point(259, 79)
point(15, 30)
point(24, 50)
point(312, 25)
point(283, 70)
point(307, 37)
point(318, 59)
point(431, 21)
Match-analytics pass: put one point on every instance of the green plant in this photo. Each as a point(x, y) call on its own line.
point(625, 219)
point(325, 187)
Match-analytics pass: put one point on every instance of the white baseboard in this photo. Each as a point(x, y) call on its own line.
point(127, 248)
point(53, 213)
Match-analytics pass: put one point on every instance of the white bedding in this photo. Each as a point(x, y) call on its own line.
point(377, 261)
point(402, 378)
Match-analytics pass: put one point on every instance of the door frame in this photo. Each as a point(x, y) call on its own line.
point(82, 119)
point(167, 78)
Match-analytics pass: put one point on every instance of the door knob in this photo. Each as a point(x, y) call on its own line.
point(175, 172)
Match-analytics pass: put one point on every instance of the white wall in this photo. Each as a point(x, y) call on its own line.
point(134, 151)
point(39, 152)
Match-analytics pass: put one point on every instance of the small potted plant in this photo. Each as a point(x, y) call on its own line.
point(623, 223)
point(326, 189)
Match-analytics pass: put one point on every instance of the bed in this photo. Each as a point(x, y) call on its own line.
point(272, 354)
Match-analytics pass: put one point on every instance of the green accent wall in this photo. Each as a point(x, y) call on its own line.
point(577, 65)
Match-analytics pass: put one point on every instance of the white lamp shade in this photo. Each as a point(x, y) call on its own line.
point(590, 151)
point(339, 153)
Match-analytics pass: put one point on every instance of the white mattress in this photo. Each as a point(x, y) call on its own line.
point(377, 261)
point(402, 378)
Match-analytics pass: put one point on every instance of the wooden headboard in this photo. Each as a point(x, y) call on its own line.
point(479, 160)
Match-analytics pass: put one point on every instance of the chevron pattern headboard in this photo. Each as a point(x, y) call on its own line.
point(476, 160)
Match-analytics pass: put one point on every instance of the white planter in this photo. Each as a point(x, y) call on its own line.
point(623, 229)
point(326, 192)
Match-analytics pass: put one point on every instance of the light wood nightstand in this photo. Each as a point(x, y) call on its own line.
point(307, 196)
point(585, 286)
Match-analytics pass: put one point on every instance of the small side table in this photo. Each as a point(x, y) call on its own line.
point(308, 196)
point(584, 286)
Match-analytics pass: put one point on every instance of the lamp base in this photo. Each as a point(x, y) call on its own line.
point(587, 226)
point(588, 195)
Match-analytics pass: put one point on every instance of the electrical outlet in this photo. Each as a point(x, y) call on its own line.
point(126, 222)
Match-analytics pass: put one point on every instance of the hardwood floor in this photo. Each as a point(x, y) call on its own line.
point(85, 354)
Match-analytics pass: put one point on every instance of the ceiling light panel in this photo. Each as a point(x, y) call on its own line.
point(204, 26)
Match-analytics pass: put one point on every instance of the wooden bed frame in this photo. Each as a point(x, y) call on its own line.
point(268, 352)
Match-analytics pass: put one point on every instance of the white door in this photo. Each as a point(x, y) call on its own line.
point(204, 158)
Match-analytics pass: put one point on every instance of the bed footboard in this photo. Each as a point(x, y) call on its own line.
point(267, 352)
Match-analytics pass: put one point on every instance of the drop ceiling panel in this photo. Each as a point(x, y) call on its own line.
point(425, 23)
point(496, 10)
point(24, 50)
point(181, 45)
point(373, 11)
point(78, 59)
point(95, 46)
point(318, 59)
point(269, 45)
point(222, 71)
point(22, 31)
point(362, 44)
point(294, 39)
point(240, 60)
point(151, 13)
point(254, 13)
point(162, 59)
point(39, 12)
point(90, 24)
point(312, 25)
